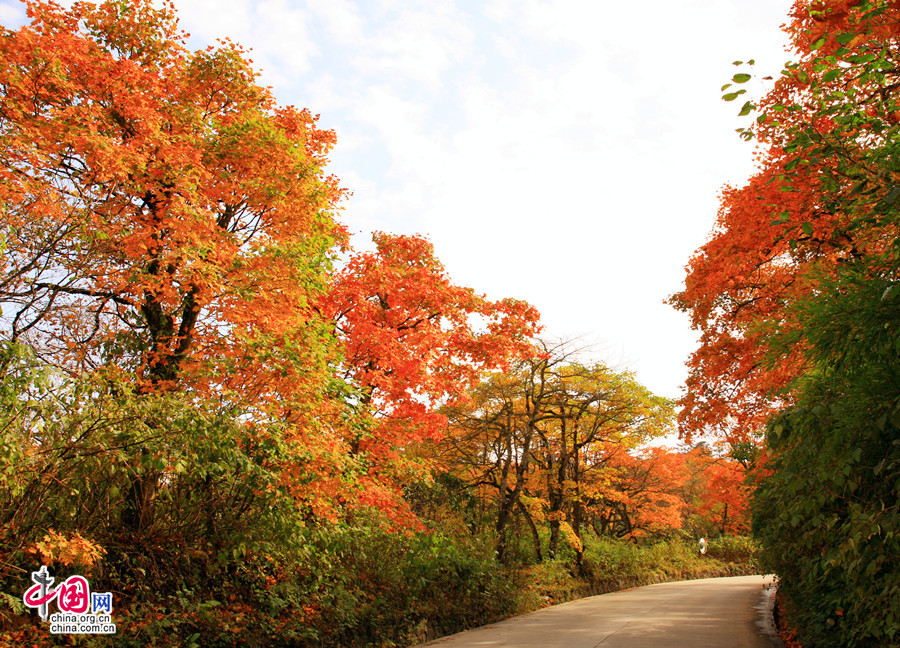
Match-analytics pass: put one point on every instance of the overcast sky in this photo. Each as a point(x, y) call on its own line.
point(568, 153)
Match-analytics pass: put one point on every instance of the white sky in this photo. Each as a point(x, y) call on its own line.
point(565, 152)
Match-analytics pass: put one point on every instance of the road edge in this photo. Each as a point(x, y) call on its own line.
point(766, 610)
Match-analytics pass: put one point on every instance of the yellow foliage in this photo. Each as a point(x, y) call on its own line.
point(68, 551)
point(536, 507)
point(570, 536)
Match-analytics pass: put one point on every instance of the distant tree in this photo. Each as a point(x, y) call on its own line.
point(642, 495)
point(724, 501)
point(491, 437)
point(544, 438)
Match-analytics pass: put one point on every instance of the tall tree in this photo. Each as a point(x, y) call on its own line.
point(598, 417)
point(491, 435)
point(823, 198)
point(164, 218)
point(162, 211)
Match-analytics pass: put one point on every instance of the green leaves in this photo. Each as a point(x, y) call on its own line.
point(746, 109)
point(827, 512)
point(831, 75)
point(845, 38)
point(740, 77)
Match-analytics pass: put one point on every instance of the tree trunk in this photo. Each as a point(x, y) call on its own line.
point(553, 547)
point(535, 536)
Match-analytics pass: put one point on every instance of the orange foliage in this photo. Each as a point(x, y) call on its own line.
point(410, 339)
point(745, 273)
point(790, 226)
point(645, 498)
point(657, 490)
point(724, 500)
point(410, 342)
point(164, 194)
point(167, 220)
point(68, 551)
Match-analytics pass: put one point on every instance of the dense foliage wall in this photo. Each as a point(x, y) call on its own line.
point(829, 511)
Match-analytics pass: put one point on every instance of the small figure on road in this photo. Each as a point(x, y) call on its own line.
point(703, 545)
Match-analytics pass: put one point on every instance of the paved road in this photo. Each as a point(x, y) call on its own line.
point(708, 613)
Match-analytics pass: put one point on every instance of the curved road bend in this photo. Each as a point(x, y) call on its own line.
point(708, 613)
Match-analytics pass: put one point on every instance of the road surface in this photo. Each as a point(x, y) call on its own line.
point(708, 613)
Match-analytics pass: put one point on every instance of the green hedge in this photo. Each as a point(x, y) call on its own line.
point(828, 515)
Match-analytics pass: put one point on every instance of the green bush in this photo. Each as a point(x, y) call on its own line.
point(414, 586)
point(734, 549)
point(828, 516)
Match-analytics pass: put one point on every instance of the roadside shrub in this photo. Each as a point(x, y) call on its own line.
point(734, 549)
point(828, 513)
